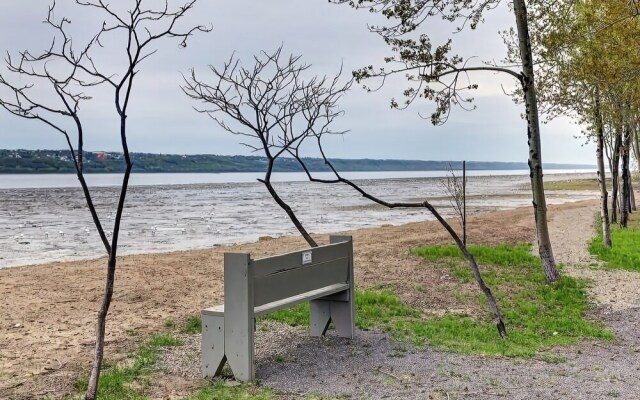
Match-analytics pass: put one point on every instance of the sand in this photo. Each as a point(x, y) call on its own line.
point(48, 311)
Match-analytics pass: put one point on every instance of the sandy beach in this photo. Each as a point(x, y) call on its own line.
point(49, 311)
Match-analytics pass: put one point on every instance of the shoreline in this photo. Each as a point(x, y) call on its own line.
point(38, 251)
point(47, 335)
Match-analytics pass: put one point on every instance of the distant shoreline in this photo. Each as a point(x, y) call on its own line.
point(60, 162)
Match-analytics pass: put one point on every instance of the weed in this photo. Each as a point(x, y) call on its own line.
point(129, 380)
point(193, 325)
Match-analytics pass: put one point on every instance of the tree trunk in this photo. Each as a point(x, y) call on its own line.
point(636, 151)
point(604, 196)
point(632, 195)
point(624, 210)
point(535, 148)
point(291, 214)
point(615, 177)
point(92, 388)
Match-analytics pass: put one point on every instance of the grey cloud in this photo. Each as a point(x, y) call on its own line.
point(328, 36)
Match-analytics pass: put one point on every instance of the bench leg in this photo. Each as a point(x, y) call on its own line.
point(320, 317)
point(341, 313)
point(239, 348)
point(239, 321)
point(213, 357)
point(342, 316)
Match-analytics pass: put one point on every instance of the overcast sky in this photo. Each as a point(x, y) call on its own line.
point(161, 118)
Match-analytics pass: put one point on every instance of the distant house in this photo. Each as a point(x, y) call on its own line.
point(101, 156)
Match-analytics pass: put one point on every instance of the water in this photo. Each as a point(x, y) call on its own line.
point(18, 181)
point(44, 218)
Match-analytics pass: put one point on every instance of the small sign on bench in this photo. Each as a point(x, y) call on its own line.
point(322, 276)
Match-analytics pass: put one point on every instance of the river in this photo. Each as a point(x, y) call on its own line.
point(43, 218)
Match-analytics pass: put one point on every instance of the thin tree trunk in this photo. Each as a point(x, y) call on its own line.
point(604, 196)
point(615, 177)
point(286, 207)
point(636, 151)
point(624, 211)
point(92, 388)
point(535, 148)
point(632, 195)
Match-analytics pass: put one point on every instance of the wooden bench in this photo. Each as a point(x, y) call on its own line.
point(322, 276)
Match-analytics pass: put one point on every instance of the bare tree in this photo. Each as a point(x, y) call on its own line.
point(66, 72)
point(273, 104)
point(453, 187)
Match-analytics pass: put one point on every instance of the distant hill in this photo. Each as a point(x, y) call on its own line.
point(59, 161)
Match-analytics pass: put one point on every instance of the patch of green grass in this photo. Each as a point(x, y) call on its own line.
point(129, 379)
point(537, 315)
point(374, 309)
point(552, 358)
point(193, 325)
point(575, 184)
point(220, 391)
point(170, 323)
point(625, 252)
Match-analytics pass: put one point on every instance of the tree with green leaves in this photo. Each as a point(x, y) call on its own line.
point(437, 75)
point(586, 56)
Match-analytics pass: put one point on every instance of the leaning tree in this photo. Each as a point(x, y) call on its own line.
point(51, 86)
point(443, 78)
point(274, 106)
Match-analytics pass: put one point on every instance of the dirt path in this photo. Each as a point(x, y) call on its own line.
point(571, 231)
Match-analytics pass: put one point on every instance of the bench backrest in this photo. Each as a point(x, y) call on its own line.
point(270, 279)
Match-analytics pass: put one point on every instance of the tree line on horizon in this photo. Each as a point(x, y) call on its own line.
point(571, 57)
point(61, 161)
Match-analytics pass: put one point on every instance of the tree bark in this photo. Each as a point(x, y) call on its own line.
point(94, 378)
point(632, 195)
point(604, 196)
point(535, 148)
point(615, 175)
point(624, 210)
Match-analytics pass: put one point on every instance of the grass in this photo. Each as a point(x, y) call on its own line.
point(133, 378)
point(374, 309)
point(130, 379)
point(625, 252)
point(220, 391)
point(575, 184)
point(193, 325)
point(538, 315)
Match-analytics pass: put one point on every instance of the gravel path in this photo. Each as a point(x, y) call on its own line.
point(571, 230)
point(374, 367)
